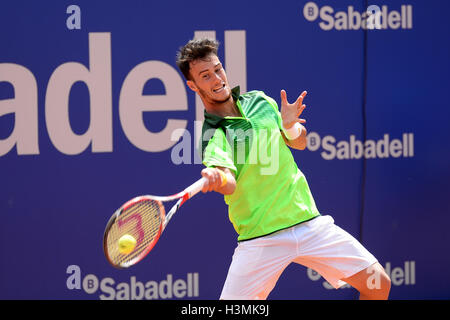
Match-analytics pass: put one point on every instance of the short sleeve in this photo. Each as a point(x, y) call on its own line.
point(218, 152)
point(274, 105)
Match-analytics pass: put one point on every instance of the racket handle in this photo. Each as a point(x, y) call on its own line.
point(195, 188)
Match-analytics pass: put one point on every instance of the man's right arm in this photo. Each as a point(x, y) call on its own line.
point(216, 178)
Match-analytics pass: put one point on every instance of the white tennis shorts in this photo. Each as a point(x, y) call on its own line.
point(318, 244)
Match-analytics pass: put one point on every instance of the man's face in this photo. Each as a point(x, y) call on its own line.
point(209, 80)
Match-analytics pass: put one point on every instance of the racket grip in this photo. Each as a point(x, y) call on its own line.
point(196, 187)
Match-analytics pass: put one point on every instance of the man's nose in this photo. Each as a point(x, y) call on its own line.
point(217, 78)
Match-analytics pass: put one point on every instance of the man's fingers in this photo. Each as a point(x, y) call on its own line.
point(213, 179)
point(283, 97)
point(304, 93)
point(300, 109)
point(212, 182)
point(205, 186)
point(301, 97)
point(298, 101)
point(207, 174)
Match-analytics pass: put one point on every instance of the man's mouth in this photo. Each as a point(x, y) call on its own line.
point(219, 89)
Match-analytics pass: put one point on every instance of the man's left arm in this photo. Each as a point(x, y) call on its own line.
point(298, 143)
point(294, 133)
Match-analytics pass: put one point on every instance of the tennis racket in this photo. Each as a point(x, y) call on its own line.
point(144, 218)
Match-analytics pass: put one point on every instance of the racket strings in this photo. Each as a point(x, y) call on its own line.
point(141, 220)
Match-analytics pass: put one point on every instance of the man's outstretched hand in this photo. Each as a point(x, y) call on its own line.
point(291, 111)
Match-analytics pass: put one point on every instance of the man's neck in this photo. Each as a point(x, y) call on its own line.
point(227, 108)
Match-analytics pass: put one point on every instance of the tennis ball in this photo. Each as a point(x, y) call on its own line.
point(126, 243)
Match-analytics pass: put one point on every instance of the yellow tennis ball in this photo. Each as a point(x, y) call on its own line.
point(126, 243)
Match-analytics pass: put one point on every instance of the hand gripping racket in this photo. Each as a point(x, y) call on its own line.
point(144, 218)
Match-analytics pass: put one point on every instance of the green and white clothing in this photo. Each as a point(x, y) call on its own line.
point(271, 192)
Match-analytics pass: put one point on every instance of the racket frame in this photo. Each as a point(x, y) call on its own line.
point(182, 197)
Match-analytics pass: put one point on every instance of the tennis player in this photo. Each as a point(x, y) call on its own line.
point(270, 204)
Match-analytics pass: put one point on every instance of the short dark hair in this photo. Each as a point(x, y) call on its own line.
point(193, 50)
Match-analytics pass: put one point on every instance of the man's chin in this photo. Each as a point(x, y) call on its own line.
point(220, 101)
point(223, 100)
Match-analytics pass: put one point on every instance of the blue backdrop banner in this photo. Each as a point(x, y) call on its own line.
point(93, 112)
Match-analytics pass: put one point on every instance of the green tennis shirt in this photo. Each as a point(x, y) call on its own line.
point(271, 192)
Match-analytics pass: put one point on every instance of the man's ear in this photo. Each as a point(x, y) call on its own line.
point(191, 85)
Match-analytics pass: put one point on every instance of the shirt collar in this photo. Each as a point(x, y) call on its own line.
point(214, 120)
